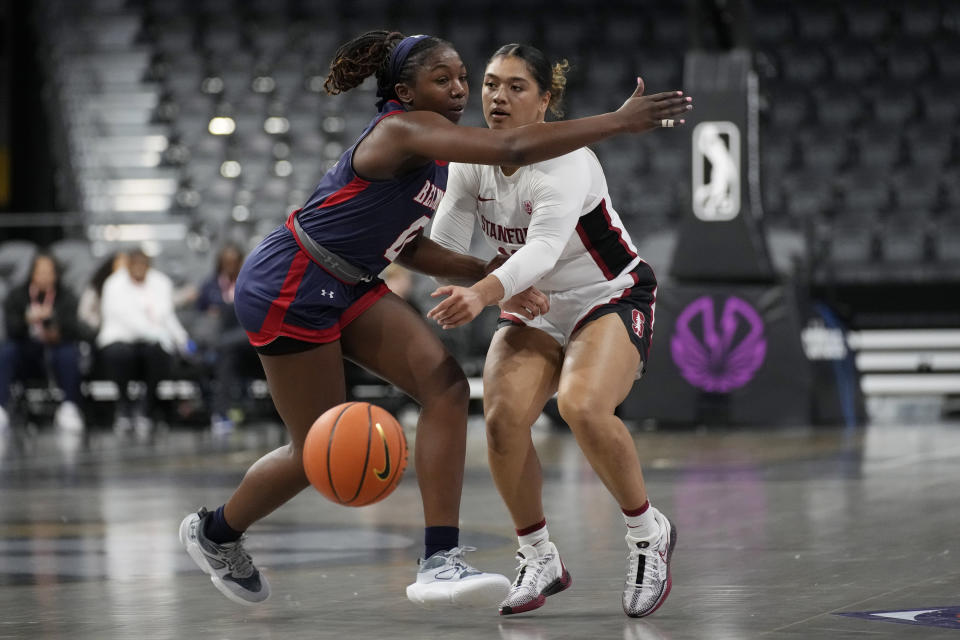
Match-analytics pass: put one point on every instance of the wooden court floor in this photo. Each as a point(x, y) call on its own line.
point(782, 534)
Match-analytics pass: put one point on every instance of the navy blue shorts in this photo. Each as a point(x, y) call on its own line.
point(281, 292)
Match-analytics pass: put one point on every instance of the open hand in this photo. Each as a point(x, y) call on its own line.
point(460, 307)
point(643, 113)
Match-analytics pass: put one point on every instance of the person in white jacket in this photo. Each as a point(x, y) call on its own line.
point(557, 223)
point(139, 335)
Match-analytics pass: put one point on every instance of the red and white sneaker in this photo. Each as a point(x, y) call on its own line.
point(648, 569)
point(540, 574)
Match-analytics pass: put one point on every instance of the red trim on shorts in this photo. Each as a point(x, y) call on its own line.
point(512, 318)
point(623, 294)
point(273, 323)
point(318, 336)
point(331, 334)
point(653, 311)
point(363, 303)
point(267, 334)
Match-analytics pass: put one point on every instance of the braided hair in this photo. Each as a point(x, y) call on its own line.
point(370, 54)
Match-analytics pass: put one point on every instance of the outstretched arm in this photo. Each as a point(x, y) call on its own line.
point(430, 135)
point(428, 257)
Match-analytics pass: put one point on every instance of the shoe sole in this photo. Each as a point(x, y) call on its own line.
point(481, 593)
point(666, 589)
point(197, 555)
point(560, 584)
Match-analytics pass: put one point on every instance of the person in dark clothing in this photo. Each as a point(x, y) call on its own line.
point(223, 341)
point(42, 332)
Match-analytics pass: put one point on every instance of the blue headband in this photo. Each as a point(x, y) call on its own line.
point(395, 65)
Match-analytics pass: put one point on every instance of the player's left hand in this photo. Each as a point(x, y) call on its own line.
point(529, 304)
point(461, 306)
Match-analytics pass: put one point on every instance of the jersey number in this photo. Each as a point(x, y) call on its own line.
point(405, 237)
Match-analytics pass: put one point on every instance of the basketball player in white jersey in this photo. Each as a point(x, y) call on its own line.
point(588, 343)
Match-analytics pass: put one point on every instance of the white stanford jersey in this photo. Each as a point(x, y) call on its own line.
point(553, 218)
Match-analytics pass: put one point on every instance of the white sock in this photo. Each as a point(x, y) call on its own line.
point(537, 539)
point(643, 525)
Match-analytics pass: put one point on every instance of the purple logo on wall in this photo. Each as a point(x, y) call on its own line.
point(718, 358)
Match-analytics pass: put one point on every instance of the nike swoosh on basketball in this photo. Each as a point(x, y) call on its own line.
point(383, 475)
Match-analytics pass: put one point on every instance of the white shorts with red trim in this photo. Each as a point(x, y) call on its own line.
point(631, 295)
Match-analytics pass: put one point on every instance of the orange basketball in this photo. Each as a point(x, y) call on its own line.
point(355, 454)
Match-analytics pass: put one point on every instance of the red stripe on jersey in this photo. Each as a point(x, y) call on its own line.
point(346, 192)
point(618, 230)
point(355, 186)
point(273, 323)
point(585, 239)
point(600, 237)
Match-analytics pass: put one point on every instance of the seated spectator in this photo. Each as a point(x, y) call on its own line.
point(88, 310)
point(225, 343)
point(139, 336)
point(42, 332)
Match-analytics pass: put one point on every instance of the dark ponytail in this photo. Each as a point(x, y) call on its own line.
point(548, 78)
point(360, 58)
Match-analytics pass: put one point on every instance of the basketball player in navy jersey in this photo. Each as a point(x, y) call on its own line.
point(557, 222)
point(308, 297)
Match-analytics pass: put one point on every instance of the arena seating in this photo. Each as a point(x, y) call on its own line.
point(860, 106)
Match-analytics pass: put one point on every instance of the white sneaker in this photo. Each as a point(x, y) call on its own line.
point(4, 421)
point(229, 565)
point(648, 569)
point(68, 418)
point(540, 574)
point(445, 579)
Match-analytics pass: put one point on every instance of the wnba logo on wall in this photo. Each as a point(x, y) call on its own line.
point(716, 171)
point(718, 357)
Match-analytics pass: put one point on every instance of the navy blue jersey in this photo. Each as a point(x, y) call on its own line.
point(367, 222)
point(281, 292)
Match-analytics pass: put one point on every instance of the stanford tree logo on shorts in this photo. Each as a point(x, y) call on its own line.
point(638, 321)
